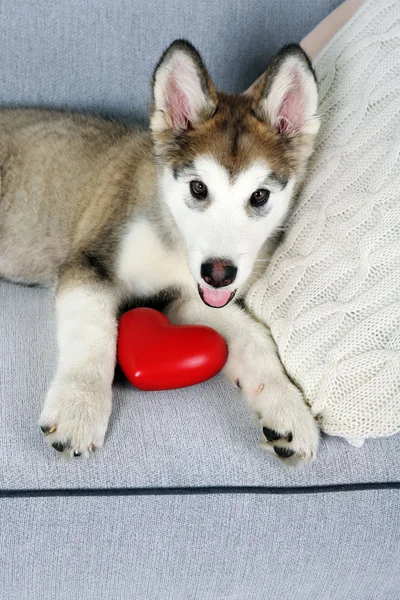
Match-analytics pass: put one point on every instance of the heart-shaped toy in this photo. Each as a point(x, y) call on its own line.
point(156, 355)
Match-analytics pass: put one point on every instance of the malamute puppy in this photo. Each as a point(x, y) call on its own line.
point(102, 212)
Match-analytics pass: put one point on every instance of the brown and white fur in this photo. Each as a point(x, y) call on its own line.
point(102, 212)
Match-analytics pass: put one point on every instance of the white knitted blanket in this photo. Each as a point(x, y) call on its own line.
point(331, 295)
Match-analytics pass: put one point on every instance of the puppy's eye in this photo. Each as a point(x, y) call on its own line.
point(259, 198)
point(198, 189)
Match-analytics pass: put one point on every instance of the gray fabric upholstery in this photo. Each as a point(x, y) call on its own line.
point(327, 547)
point(199, 436)
point(98, 55)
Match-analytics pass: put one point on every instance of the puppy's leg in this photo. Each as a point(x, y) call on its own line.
point(78, 405)
point(289, 429)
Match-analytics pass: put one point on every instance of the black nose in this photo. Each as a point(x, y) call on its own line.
point(218, 272)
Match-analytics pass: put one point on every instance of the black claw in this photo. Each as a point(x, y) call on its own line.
point(58, 446)
point(272, 435)
point(283, 452)
point(289, 437)
point(76, 453)
point(45, 428)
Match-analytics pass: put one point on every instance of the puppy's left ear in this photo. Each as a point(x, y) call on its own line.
point(183, 93)
point(286, 96)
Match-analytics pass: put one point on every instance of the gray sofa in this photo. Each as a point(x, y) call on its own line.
point(181, 504)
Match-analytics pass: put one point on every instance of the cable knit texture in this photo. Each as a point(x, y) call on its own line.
point(331, 294)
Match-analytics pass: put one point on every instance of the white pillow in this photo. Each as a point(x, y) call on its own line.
point(331, 294)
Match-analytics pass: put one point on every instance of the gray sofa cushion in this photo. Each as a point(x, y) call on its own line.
point(100, 55)
point(337, 546)
point(199, 436)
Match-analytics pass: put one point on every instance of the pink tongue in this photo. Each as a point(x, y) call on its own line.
point(216, 298)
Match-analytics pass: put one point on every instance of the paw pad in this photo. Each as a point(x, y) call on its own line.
point(283, 452)
point(59, 446)
point(272, 435)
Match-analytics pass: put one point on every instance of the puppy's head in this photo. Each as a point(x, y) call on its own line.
point(230, 164)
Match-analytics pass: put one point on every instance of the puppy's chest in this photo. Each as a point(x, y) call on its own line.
point(146, 266)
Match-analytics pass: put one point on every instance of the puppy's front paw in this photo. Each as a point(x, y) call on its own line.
point(75, 416)
point(290, 432)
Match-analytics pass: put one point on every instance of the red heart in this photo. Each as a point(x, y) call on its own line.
point(156, 355)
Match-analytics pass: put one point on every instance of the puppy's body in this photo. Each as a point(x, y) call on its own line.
point(61, 182)
point(103, 212)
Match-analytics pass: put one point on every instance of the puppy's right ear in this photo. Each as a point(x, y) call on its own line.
point(183, 93)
